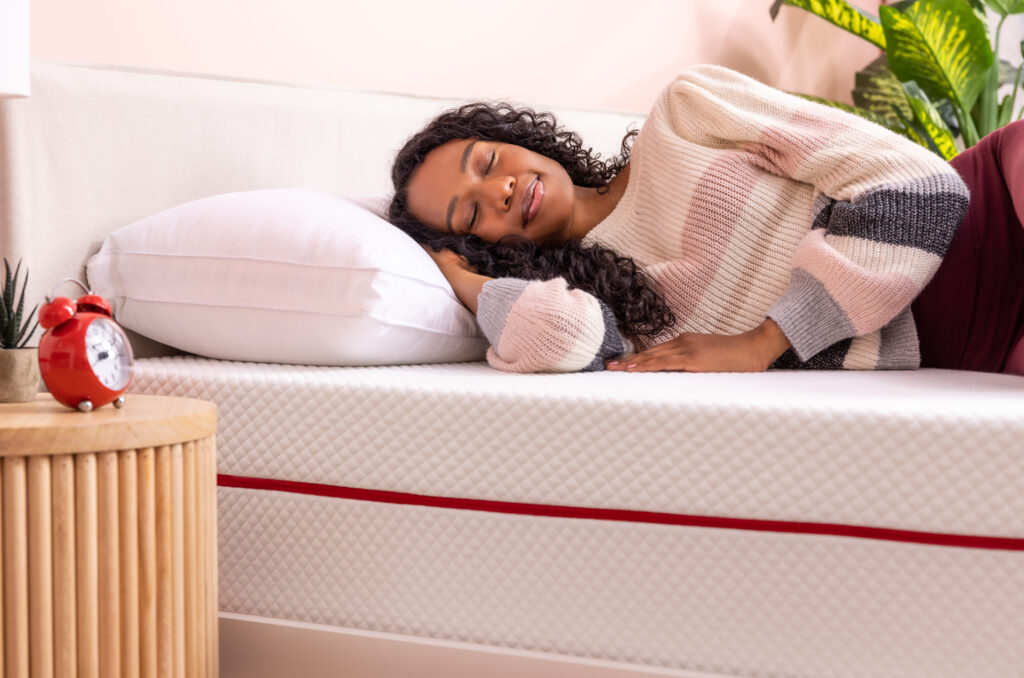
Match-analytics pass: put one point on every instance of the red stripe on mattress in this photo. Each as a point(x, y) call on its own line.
point(623, 515)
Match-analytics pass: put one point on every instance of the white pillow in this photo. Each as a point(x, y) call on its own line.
point(289, 276)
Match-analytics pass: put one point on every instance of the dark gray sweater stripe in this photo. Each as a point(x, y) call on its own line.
point(831, 358)
point(612, 344)
point(923, 214)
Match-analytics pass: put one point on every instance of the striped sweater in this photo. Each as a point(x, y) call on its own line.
point(745, 203)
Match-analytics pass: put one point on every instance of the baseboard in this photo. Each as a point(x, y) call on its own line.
point(256, 647)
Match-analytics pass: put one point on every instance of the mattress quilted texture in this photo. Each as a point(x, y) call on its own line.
point(925, 452)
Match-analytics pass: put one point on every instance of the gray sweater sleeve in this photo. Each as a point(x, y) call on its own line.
point(543, 326)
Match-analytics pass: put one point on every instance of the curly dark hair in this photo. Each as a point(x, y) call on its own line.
point(639, 308)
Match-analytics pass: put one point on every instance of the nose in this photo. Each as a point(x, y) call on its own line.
point(502, 189)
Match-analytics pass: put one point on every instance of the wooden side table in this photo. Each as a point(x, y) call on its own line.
point(109, 539)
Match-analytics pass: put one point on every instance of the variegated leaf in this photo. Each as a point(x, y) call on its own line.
point(941, 45)
point(945, 107)
point(1007, 72)
point(927, 116)
point(842, 14)
point(978, 6)
point(877, 90)
point(1005, 7)
point(889, 122)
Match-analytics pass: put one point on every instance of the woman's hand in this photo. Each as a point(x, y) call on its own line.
point(752, 351)
point(461, 275)
point(450, 263)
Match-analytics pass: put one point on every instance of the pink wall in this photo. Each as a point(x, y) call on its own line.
point(582, 53)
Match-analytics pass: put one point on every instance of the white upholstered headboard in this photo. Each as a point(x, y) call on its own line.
point(97, 147)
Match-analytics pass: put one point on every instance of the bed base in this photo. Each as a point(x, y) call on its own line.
point(258, 647)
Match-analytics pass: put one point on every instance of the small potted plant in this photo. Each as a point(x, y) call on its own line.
point(19, 366)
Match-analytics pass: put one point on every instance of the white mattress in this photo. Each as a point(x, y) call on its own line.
point(693, 521)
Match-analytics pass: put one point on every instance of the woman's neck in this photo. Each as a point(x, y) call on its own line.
point(592, 207)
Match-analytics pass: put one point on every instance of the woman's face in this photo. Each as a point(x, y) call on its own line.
point(492, 190)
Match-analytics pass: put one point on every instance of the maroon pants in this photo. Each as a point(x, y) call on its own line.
point(971, 314)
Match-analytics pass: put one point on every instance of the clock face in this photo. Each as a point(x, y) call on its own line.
point(109, 353)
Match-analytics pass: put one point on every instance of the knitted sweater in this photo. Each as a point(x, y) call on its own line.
point(745, 203)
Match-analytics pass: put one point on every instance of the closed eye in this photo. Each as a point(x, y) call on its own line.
point(476, 206)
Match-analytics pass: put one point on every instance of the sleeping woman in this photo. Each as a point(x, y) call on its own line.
point(741, 229)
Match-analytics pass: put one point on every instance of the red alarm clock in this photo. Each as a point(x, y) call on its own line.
point(84, 356)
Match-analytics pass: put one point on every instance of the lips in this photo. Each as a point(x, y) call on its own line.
point(533, 196)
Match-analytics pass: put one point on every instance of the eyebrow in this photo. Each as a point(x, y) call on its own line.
point(462, 167)
point(465, 153)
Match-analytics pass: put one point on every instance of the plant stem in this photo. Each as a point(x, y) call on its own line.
point(986, 111)
point(999, 30)
point(967, 128)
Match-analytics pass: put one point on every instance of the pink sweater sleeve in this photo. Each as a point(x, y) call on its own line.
point(543, 326)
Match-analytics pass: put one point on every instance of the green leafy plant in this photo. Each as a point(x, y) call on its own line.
point(938, 80)
point(13, 332)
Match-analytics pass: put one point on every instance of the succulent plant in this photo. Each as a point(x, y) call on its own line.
point(13, 332)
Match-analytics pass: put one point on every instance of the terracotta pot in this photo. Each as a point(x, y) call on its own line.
point(19, 374)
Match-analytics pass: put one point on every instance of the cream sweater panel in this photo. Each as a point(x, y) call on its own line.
point(665, 221)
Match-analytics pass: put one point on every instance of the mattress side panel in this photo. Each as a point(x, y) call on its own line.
point(721, 601)
point(815, 448)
